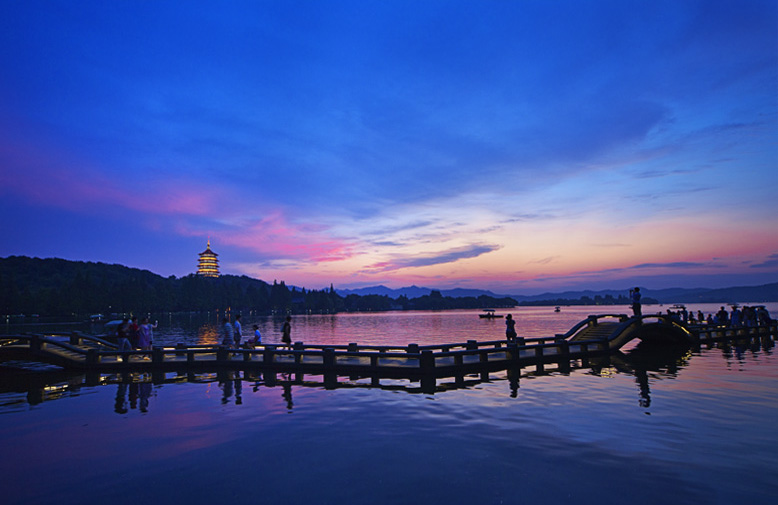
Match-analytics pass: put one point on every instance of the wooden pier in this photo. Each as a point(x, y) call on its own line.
point(595, 336)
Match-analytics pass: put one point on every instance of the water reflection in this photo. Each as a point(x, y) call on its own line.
point(207, 334)
point(133, 395)
point(740, 351)
point(646, 361)
point(287, 395)
point(231, 384)
point(648, 365)
point(121, 406)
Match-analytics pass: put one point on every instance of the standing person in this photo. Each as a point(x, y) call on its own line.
point(736, 321)
point(637, 309)
point(510, 328)
point(146, 334)
point(763, 316)
point(723, 316)
point(286, 338)
point(228, 337)
point(135, 333)
point(122, 334)
point(238, 331)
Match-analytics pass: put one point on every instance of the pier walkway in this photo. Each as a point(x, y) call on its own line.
point(596, 335)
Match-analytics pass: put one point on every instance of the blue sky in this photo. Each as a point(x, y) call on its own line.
point(518, 146)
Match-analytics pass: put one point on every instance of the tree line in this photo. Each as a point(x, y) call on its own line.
point(56, 287)
point(587, 300)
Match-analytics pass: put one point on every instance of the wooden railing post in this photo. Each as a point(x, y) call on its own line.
point(539, 358)
point(329, 358)
point(427, 362)
point(268, 355)
point(157, 356)
point(427, 365)
point(181, 348)
point(330, 377)
point(298, 356)
point(563, 349)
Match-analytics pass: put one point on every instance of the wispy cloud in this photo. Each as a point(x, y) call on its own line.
point(771, 262)
point(673, 265)
point(422, 260)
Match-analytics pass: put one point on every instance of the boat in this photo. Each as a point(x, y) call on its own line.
point(489, 314)
point(557, 309)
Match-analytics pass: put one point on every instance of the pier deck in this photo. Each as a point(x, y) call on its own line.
point(594, 336)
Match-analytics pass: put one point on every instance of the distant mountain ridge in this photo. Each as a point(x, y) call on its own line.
point(415, 292)
point(763, 293)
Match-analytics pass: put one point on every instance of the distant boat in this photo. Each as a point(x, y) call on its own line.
point(557, 309)
point(489, 314)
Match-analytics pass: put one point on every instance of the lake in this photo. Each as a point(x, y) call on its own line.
point(673, 427)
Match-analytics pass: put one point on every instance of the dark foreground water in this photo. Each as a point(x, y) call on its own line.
point(675, 427)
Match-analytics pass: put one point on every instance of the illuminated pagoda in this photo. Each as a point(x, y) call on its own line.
point(208, 265)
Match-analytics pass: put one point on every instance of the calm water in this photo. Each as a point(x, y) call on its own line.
point(695, 427)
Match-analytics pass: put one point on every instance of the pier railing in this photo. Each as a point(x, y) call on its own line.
point(79, 351)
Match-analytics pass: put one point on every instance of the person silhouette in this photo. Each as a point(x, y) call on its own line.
point(510, 328)
point(637, 309)
point(228, 339)
point(286, 331)
point(238, 331)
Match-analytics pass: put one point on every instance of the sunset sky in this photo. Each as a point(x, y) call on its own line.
point(518, 146)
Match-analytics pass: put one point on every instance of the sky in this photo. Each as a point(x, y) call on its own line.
point(517, 146)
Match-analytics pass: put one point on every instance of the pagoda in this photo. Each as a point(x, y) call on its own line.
point(208, 265)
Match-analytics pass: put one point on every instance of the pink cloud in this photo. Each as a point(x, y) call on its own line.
point(274, 235)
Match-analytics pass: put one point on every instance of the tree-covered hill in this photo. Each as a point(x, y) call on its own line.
point(57, 287)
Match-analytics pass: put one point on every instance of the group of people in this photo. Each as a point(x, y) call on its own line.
point(747, 317)
point(232, 334)
point(131, 335)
